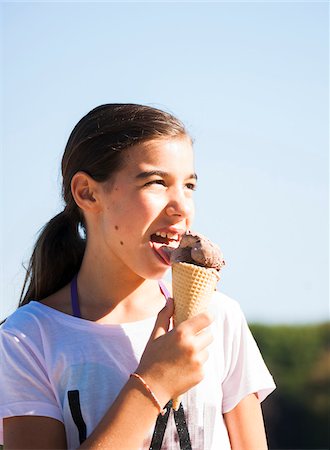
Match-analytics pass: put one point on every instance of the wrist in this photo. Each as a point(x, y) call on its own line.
point(156, 387)
point(148, 390)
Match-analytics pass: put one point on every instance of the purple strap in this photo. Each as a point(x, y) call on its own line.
point(75, 300)
point(164, 289)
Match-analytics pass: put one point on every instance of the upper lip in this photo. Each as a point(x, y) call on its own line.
point(170, 232)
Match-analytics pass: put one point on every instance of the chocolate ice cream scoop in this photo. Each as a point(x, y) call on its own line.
point(196, 249)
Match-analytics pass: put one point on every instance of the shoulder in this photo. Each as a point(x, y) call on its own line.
point(229, 318)
point(20, 316)
point(22, 336)
point(225, 307)
point(25, 320)
point(33, 321)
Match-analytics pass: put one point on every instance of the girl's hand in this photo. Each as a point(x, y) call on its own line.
point(172, 362)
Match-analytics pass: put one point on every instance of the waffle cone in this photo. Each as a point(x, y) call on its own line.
point(193, 287)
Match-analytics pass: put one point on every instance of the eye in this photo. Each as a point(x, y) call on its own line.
point(155, 182)
point(191, 186)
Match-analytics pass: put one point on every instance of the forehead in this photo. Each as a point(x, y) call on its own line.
point(166, 154)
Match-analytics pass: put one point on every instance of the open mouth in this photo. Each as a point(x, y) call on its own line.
point(163, 244)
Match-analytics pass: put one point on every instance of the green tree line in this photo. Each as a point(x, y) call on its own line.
point(297, 413)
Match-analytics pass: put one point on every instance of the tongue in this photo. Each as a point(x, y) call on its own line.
point(164, 251)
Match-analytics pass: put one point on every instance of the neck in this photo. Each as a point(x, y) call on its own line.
point(115, 295)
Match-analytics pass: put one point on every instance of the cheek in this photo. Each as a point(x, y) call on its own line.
point(128, 219)
point(191, 218)
point(191, 213)
point(149, 206)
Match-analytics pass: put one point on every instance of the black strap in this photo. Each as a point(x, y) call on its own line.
point(160, 427)
point(74, 403)
point(181, 426)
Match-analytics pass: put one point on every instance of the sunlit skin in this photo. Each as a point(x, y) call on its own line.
point(153, 191)
point(117, 283)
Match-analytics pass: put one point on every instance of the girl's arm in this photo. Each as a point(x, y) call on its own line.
point(125, 425)
point(176, 355)
point(33, 433)
point(245, 425)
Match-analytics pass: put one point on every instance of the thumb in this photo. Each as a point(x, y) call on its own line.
point(163, 320)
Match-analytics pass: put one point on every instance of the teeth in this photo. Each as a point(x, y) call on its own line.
point(167, 235)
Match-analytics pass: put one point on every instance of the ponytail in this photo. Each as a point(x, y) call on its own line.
point(56, 257)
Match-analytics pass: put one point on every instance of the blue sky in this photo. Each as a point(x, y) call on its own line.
point(251, 82)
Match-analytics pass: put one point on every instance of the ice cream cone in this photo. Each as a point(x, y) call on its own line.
point(193, 287)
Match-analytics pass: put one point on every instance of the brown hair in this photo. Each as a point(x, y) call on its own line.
point(95, 147)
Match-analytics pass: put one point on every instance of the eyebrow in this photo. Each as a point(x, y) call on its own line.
point(160, 173)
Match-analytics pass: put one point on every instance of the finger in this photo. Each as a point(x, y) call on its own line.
point(197, 323)
point(203, 339)
point(163, 320)
point(203, 356)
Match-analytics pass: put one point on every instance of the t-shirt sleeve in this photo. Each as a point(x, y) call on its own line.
point(246, 371)
point(26, 388)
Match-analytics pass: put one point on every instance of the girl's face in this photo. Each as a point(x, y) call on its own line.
point(148, 205)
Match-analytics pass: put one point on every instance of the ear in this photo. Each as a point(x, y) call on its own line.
point(85, 191)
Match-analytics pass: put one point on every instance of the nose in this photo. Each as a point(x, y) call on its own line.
point(180, 205)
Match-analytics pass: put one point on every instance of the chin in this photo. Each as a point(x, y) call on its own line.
point(155, 274)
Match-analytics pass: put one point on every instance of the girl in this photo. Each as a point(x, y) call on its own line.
point(90, 359)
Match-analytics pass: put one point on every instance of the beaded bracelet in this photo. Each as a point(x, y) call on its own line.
point(162, 411)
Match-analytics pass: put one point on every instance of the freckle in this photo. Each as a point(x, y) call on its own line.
point(116, 227)
point(121, 243)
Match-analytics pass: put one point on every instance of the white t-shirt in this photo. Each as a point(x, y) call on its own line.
point(71, 369)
